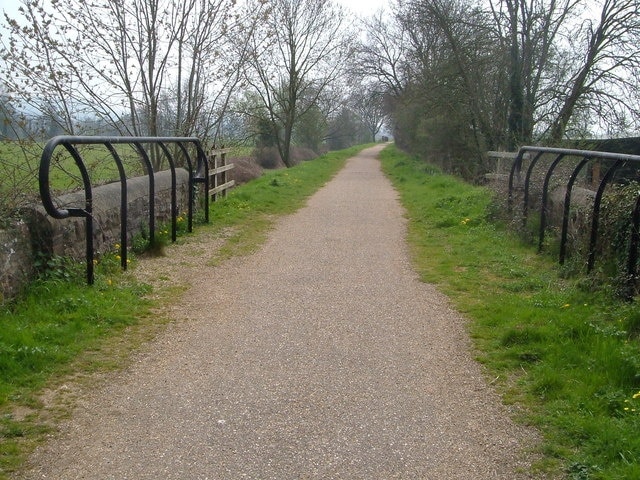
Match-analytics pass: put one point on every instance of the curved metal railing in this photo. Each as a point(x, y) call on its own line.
point(616, 162)
point(197, 167)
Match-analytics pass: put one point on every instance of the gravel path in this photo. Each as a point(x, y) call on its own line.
point(321, 356)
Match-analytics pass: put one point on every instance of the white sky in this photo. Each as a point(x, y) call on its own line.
point(360, 7)
point(11, 6)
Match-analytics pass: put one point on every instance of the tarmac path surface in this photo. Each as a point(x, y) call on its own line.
point(321, 356)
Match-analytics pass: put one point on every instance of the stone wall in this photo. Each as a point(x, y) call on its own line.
point(16, 259)
point(38, 234)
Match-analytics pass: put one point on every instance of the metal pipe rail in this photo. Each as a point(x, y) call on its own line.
point(587, 156)
point(197, 167)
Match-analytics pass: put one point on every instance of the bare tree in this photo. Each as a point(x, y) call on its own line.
point(565, 60)
point(369, 104)
point(469, 76)
point(118, 60)
point(30, 56)
point(605, 58)
point(296, 53)
point(212, 46)
point(532, 33)
point(382, 55)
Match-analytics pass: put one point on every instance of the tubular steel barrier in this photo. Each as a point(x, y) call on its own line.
point(581, 158)
point(197, 167)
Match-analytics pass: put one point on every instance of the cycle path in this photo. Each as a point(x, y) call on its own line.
point(321, 356)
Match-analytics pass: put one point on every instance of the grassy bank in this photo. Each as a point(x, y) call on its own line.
point(60, 328)
point(61, 332)
point(567, 356)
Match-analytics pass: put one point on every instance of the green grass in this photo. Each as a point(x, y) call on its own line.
point(19, 162)
point(567, 355)
point(62, 329)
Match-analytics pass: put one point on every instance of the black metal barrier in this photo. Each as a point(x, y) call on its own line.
point(196, 165)
point(580, 158)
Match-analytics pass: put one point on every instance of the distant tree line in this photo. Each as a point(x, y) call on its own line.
point(461, 77)
point(270, 74)
point(449, 78)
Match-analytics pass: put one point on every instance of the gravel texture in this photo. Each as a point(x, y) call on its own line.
point(320, 356)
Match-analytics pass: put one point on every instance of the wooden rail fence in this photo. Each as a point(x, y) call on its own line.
point(218, 169)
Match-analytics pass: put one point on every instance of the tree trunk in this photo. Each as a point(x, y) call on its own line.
point(516, 97)
point(559, 126)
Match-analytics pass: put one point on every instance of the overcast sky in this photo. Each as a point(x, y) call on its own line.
point(361, 7)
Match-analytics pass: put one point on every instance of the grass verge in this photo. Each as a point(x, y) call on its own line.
point(567, 356)
point(60, 329)
point(60, 333)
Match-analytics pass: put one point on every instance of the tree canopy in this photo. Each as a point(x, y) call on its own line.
point(452, 78)
point(466, 76)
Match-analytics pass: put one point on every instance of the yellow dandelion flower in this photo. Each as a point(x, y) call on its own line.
point(117, 246)
point(566, 305)
point(637, 395)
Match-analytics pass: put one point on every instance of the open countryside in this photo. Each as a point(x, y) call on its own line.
point(349, 309)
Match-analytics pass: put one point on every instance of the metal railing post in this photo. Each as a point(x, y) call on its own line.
point(198, 172)
point(586, 156)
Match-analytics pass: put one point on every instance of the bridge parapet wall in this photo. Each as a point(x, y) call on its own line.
point(39, 235)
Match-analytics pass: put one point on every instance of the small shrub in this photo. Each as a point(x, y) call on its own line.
point(245, 169)
point(58, 268)
point(268, 158)
point(302, 154)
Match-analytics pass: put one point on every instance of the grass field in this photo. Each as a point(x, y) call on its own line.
point(566, 355)
point(20, 162)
